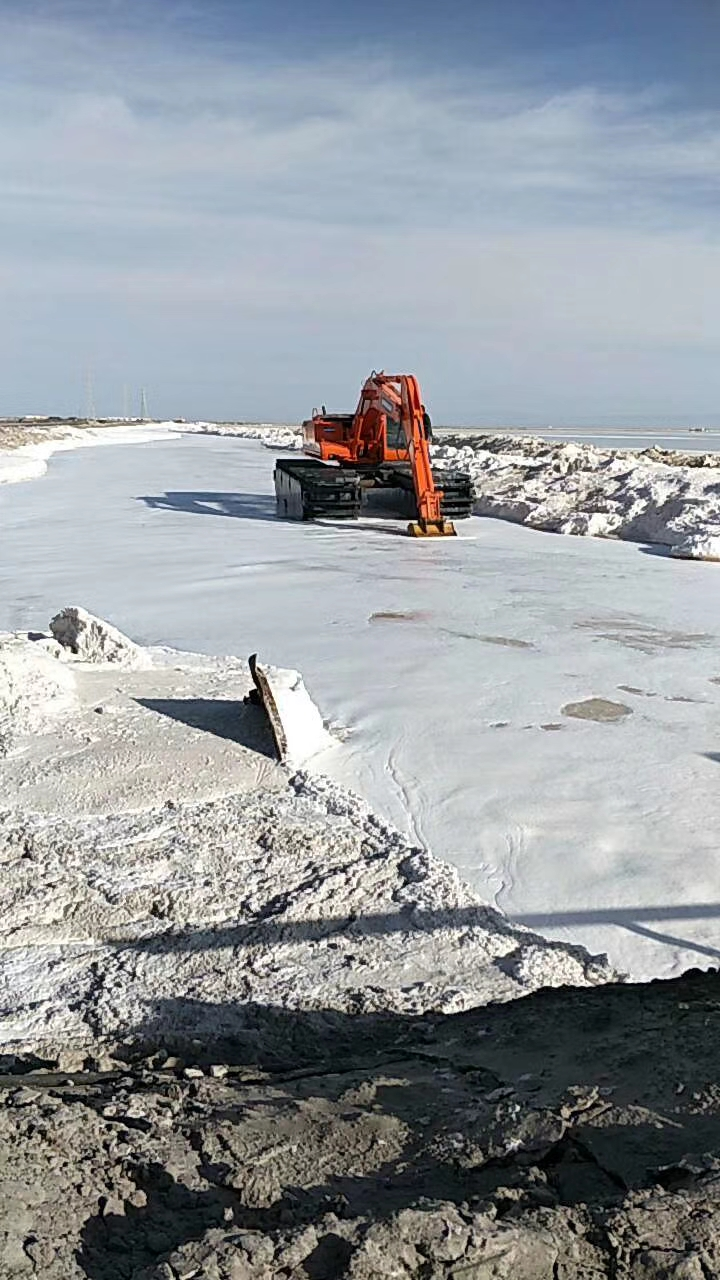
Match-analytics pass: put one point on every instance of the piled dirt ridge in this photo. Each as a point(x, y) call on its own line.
point(570, 1133)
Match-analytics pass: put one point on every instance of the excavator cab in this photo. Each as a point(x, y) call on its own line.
point(395, 441)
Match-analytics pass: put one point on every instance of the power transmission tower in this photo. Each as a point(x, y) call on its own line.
point(90, 414)
point(126, 402)
point(143, 405)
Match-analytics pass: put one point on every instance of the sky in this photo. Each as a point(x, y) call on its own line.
point(244, 206)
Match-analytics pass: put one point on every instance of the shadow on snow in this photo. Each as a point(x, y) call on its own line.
point(241, 506)
point(265, 930)
point(228, 718)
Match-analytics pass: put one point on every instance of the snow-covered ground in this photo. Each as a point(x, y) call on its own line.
point(163, 877)
point(540, 711)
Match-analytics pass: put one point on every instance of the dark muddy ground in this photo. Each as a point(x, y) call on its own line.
point(570, 1133)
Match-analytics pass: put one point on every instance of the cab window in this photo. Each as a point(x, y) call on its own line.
point(394, 434)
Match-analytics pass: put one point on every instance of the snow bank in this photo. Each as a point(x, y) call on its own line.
point(88, 737)
point(92, 639)
point(652, 496)
point(38, 691)
point(229, 885)
point(35, 690)
point(273, 436)
point(29, 461)
point(175, 922)
point(698, 547)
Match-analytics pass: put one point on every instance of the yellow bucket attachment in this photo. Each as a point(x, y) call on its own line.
point(431, 529)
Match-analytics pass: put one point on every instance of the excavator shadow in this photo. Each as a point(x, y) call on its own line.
point(241, 506)
point(364, 525)
point(259, 506)
point(382, 511)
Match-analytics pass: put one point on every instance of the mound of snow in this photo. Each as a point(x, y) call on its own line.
point(698, 547)
point(93, 640)
point(179, 923)
point(28, 461)
point(35, 690)
point(649, 496)
point(176, 917)
point(273, 436)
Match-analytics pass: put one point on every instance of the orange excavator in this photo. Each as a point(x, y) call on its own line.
point(383, 444)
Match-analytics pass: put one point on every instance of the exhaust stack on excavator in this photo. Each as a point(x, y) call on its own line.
point(384, 444)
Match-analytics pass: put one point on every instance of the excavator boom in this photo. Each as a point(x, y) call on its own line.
point(430, 521)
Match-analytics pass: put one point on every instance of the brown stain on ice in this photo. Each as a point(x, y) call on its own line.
point(601, 710)
point(508, 642)
point(391, 615)
point(645, 693)
point(642, 636)
point(419, 615)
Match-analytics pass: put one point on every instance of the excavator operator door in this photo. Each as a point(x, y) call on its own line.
point(395, 442)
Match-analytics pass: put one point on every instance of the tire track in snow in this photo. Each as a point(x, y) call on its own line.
point(515, 843)
point(409, 799)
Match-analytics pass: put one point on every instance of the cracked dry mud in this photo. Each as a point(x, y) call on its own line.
point(570, 1133)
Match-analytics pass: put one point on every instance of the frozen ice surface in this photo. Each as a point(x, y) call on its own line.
point(448, 665)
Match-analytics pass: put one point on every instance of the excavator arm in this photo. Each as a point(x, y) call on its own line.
point(430, 522)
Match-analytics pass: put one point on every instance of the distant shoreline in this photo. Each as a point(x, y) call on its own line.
point(619, 428)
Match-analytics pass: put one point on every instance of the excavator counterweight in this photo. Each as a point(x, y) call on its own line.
point(383, 445)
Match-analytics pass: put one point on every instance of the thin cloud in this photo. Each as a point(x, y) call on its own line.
point(507, 234)
point(145, 123)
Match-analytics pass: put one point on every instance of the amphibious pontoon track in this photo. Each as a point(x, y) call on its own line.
point(307, 488)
